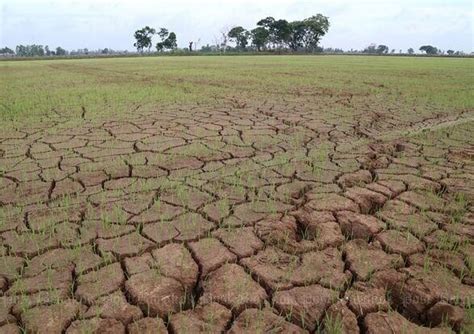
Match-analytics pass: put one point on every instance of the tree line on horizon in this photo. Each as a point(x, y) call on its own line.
point(373, 49)
point(427, 49)
point(35, 50)
point(269, 35)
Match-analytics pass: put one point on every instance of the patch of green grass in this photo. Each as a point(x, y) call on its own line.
point(97, 88)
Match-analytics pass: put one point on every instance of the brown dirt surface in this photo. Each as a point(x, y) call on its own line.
point(256, 218)
point(209, 318)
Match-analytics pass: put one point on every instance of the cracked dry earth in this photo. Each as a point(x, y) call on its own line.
point(239, 220)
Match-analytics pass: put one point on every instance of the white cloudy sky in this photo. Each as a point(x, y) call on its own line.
point(447, 24)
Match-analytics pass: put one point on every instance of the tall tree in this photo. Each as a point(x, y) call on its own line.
point(411, 51)
point(143, 38)
point(7, 51)
point(168, 40)
point(282, 32)
point(163, 33)
point(316, 27)
point(170, 43)
point(429, 50)
point(298, 32)
point(381, 49)
point(60, 51)
point(267, 24)
point(20, 50)
point(260, 37)
point(240, 36)
point(279, 31)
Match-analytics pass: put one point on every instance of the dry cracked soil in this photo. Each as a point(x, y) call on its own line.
point(243, 219)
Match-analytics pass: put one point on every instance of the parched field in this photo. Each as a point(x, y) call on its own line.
point(285, 194)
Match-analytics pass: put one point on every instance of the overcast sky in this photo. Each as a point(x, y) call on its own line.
point(72, 24)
